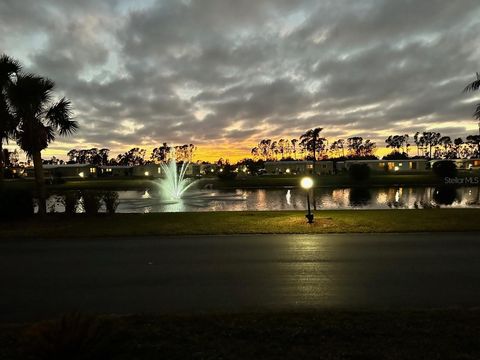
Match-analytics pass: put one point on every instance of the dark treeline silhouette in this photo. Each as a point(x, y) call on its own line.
point(132, 157)
point(314, 147)
point(428, 144)
point(432, 145)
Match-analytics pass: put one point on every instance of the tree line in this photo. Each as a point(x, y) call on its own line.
point(133, 157)
point(312, 146)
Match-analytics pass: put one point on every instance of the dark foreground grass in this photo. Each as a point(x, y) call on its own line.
point(261, 222)
point(428, 334)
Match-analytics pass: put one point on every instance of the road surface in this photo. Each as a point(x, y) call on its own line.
point(44, 278)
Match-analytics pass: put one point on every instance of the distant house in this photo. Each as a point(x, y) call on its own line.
point(115, 171)
point(66, 171)
point(322, 167)
point(388, 166)
point(207, 169)
point(150, 170)
point(463, 164)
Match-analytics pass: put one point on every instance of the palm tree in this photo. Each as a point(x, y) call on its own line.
point(311, 141)
point(8, 68)
point(39, 121)
point(475, 86)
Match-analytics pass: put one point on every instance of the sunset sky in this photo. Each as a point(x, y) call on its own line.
point(223, 74)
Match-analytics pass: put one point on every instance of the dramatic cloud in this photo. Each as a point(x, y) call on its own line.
point(225, 73)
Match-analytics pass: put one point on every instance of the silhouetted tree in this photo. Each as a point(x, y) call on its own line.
point(264, 149)
point(338, 148)
point(9, 67)
point(313, 143)
point(431, 139)
point(398, 142)
point(160, 154)
point(294, 143)
point(39, 121)
point(92, 156)
point(475, 86)
point(359, 148)
point(420, 143)
point(475, 141)
point(396, 155)
point(132, 157)
point(184, 152)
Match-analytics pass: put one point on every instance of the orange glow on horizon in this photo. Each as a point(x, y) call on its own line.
point(208, 153)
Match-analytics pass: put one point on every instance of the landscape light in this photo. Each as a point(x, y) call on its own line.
point(307, 183)
point(287, 171)
point(396, 168)
point(82, 174)
point(147, 173)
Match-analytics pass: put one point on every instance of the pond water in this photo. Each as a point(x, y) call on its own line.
point(295, 199)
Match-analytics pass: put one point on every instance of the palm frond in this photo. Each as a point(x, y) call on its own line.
point(473, 86)
point(34, 136)
point(8, 67)
point(59, 116)
point(29, 94)
point(476, 114)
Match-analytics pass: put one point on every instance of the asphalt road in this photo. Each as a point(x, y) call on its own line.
point(44, 278)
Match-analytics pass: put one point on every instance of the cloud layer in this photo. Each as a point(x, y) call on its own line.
point(225, 73)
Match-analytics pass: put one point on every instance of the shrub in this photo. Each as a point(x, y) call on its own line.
point(71, 201)
point(15, 204)
point(359, 172)
point(111, 201)
point(445, 168)
point(91, 202)
point(74, 336)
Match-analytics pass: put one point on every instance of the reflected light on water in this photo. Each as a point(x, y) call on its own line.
point(291, 199)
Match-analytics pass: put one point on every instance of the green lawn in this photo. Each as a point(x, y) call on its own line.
point(327, 334)
point(272, 222)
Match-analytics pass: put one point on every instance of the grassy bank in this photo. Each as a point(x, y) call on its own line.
point(263, 222)
point(440, 334)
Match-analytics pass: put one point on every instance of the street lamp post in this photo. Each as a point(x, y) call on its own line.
point(307, 184)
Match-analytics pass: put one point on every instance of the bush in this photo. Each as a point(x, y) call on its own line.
point(71, 201)
point(91, 202)
point(110, 199)
point(74, 336)
point(15, 204)
point(359, 172)
point(445, 168)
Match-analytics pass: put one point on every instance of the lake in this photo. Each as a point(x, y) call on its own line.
point(295, 199)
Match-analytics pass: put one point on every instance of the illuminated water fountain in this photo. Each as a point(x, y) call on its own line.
point(175, 190)
point(174, 184)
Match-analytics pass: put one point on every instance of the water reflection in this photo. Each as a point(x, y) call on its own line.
point(294, 199)
point(359, 197)
point(445, 195)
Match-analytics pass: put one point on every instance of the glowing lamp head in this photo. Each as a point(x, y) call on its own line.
point(147, 173)
point(82, 174)
point(306, 183)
